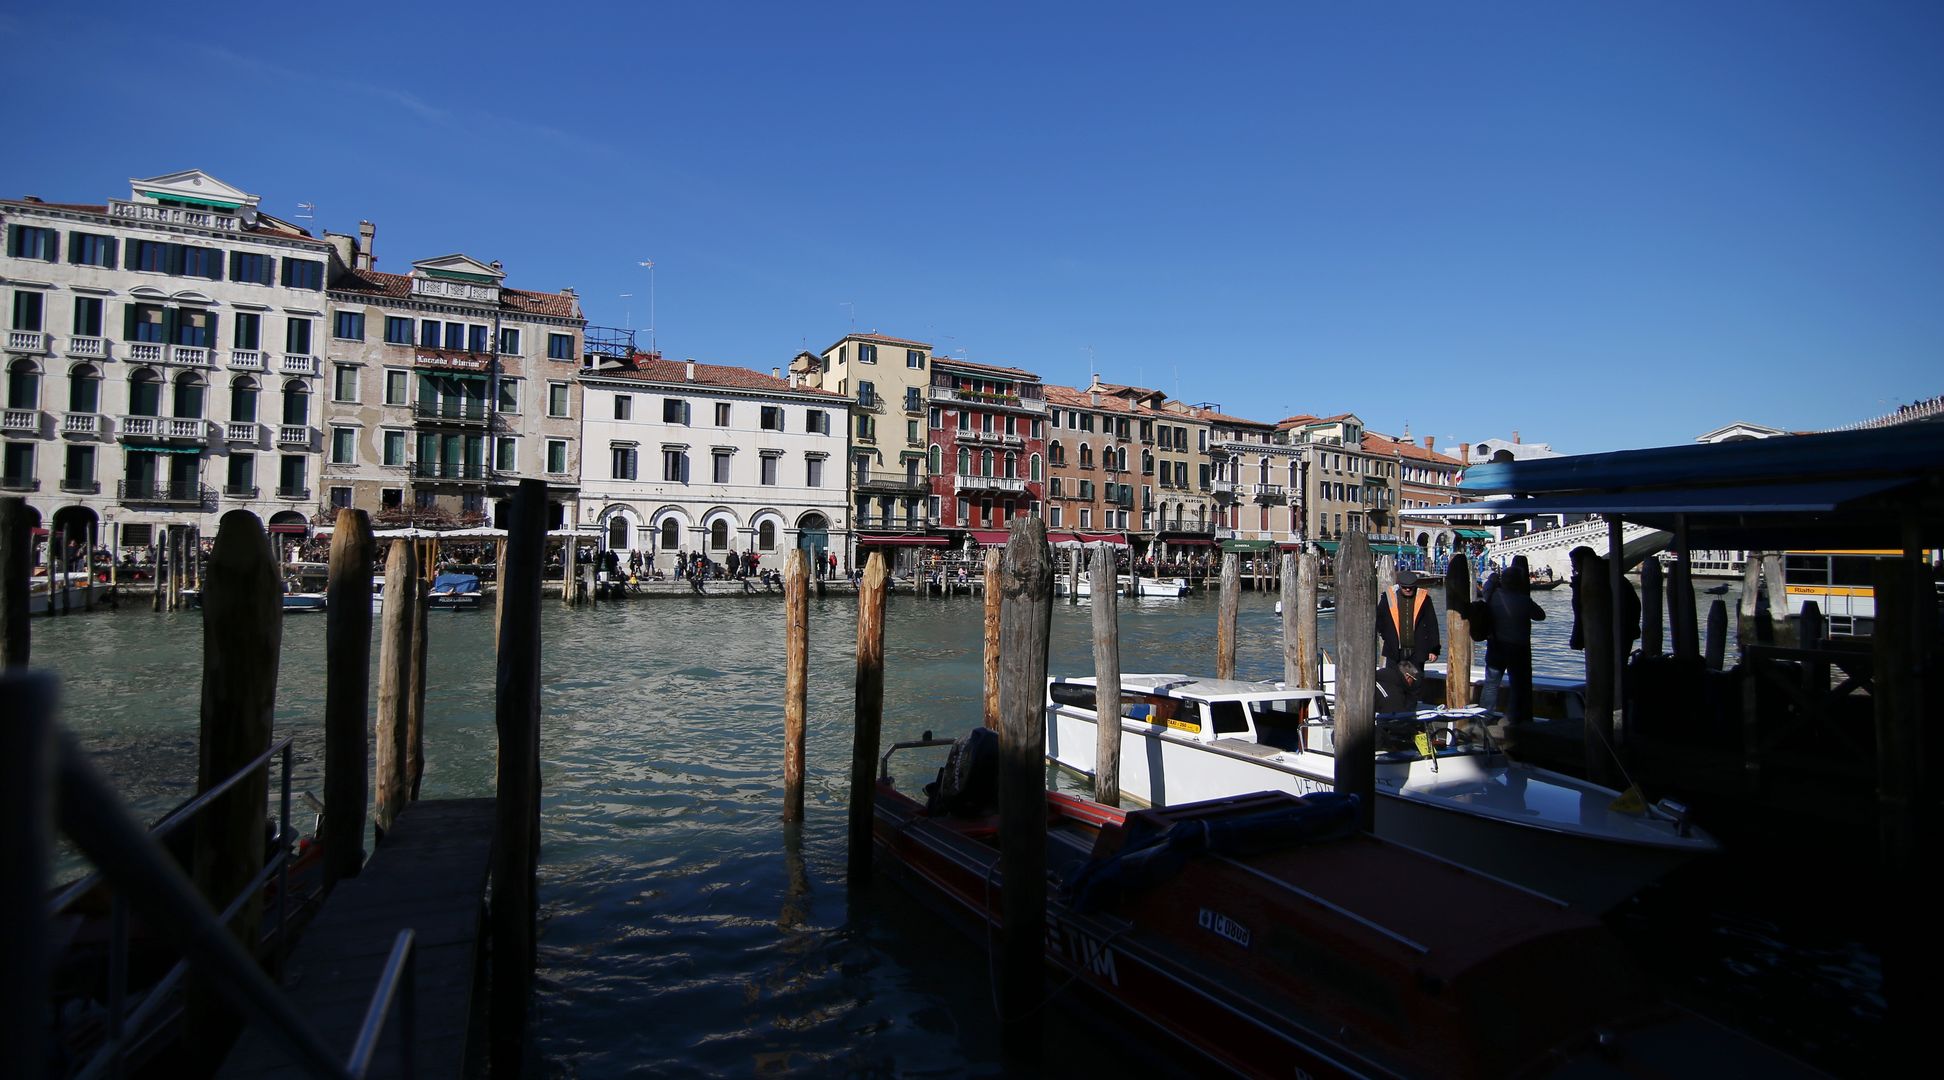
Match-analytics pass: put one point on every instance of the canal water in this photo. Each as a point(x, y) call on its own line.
point(685, 932)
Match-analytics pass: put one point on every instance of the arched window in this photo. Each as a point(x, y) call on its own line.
point(965, 462)
point(1147, 463)
point(985, 463)
point(934, 459)
point(1056, 453)
point(1086, 456)
point(189, 396)
point(719, 535)
point(84, 389)
point(1265, 472)
point(144, 393)
point(1012, 464)
point(243, 400)
point(296, 402)
point(1036, 468)
point(618, 534)
point(23, 385)
point(671, 534)
point(766, 536)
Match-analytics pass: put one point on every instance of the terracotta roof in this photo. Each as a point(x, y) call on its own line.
point(1306, 419)
point(879, 339)
point(1214, 417)
point(399, 286)
point(1068, 397)
point(1384, 444)
point(725, 375)
point(952, 363)
point(85, 208)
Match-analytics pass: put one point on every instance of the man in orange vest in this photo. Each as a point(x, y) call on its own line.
point(1407, 628)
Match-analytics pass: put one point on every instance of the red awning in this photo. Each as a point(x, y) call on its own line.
point(1190, 542)
point(1290, 545)
point(1102, 538)
point(298, 530)
point(1061, 538)
point(889, 541)
point(993, 537)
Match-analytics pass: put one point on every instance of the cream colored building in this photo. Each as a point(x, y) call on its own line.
point(444, 388)
point(888, 380)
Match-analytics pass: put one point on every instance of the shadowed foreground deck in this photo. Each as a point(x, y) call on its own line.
point(429, 876)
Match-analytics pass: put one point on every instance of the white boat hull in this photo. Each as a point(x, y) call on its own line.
point(1542, 830)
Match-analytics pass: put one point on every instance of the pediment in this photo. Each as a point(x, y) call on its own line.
point(191, 185)
point(460, 267)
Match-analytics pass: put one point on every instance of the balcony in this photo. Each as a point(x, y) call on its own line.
point(871, 402)
point(298, 435)
point(19, 483)
point(21, 422)
point(189, 354)
point(455, 413)
point(93, 348)
point(26, 341)
point(299, 365)
point(1223, 489)
point(242, 431)
point(988, 483)
point(454, 471)
point(172, 428)
point(989, 401)
point(247, 360)
point(144, 352)
point(914, 403)
point(162, 492)
point(892, 485)
point(81, 487)
point(239, 491)
point(1269, 494)
point(85, 424)
point(293, 492)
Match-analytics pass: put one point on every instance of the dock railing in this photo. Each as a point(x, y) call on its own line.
point(147, 881)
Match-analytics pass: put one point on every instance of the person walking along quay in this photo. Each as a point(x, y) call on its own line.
point(1504, 615)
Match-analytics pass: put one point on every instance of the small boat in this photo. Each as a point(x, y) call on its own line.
point(455, 592)
point(1154, 586)
point(377, 595)
point(1325, 605)
point(1442, 785)
point(1553, 583)
point(297, 602)
point(1262, 935)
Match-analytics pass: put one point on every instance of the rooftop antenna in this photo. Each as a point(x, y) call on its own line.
point(627, 320)
point(306, 211)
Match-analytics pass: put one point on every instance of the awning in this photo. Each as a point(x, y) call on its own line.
point(1394, 549)
point(294, 529)
point(1248, 545)
point(1056, 539)
point(1823, 496)
point(1327, 545)
point(1472, 534)
point(1119, 539)
point(993, 537)
point(908, 541)
point(150, 448)
point(1195, 541)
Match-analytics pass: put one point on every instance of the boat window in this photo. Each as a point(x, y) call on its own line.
point(1229, 717)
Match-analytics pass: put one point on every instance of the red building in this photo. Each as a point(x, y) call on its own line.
point(988, 446)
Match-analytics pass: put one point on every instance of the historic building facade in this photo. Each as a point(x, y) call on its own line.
point(681, 456)
point(163, 360)
point(444, 388)
point(1343, 486)
point(888, 382)
point(1091, 453)
point(987, 453)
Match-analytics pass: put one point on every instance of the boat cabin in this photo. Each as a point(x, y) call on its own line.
point(1203, 710)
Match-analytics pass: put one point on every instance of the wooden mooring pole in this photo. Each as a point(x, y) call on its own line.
point(993, 590)
point(16, 583)
point(1717, 648)
point(1291, 595)
point(1107, 696)
point(1458, 638)
point(347, 696)
point(1025, 632)
point(1073, 575)
point(415, 704)
point(1596, 632)
point(1356, 676)
point(1652, 614)
point(869, 721)
point(395, 684)
point(1225, 611)
point(242, 622)
point(1309, 673)
point(26, 838)
point(796, 679)
point(516, 810)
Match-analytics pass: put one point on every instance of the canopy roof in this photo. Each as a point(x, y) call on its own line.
point(1843, 489)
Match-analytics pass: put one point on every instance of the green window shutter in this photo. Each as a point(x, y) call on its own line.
point(128, 322)
point(74, 247)
point(169, 325)
point(109, 250)
point(13, 241)
point(213, 317)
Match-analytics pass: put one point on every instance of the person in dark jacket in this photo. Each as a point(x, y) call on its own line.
point(1629, 603)
point(1509, 610)
point(1408, 608)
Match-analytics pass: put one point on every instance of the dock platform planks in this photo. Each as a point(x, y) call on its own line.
point(429, 875)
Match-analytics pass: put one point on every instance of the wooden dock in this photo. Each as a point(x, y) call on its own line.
point(429, 876)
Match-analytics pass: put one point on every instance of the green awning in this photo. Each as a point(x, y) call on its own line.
point(1472, 534)
point(1248, 545)
point(1327, 545)
point(211, 204)
point(164, 449)
point(460, 275)
point(1393, 549)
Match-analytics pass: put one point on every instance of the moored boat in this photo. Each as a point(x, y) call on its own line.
point(455, 592)
point(1262, 935)
point(1441, 784)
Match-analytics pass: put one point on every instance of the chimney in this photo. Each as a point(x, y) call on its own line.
point(569, 291)
point(498, 267)
point(1464, 452)
point(689, 372)
point(344, 248)
point(793, 380)
point(1515, 436)
point(1093, 396)
point(366, 233)
point(776, 373)
point(1430, 442)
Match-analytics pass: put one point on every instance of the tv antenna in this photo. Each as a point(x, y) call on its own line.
point(627, 322)
point(306, 211)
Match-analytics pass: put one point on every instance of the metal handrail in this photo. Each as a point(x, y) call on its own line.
point(401, 969)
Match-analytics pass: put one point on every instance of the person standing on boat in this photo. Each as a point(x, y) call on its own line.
point(1407, 629)
point(1508, 613)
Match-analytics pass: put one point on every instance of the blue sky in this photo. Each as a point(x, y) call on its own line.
point(1604, 225)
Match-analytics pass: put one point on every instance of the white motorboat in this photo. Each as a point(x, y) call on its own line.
point(1154, 586)
point(1185, 739)
point(1324, 606)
